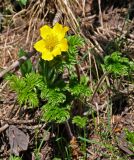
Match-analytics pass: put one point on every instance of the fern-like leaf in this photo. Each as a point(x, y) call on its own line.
point(79, 89)
point(55, 97)
point(71, 58)
point(17, 84)
point(80, 121)
point(55, 113)
point(75, 41)
point(118, 65)
point(27, 88)
point(34, 80)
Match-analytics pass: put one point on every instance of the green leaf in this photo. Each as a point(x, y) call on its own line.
point(44, 92)
point(55, 113)
point(56, 158)
point(75, 41)
point(80, 121)
point(27, 88)
point(54, 97)
point(130, 136)
point(27, 96)
point(34, 80)
point(16, 83)
point(79, 89)
point(118, 65)
point(22, 2)
point(70, 58)
point(14, 158)
point(27, 66)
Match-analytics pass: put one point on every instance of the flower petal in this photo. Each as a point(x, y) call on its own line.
point(56, 51)
point(44, 31)
point(63, 45)
point(53, 42)
point(40, 45)
point(47, 55)
point(60, 30)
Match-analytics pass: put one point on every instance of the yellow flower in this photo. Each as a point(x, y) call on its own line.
point(52, 42)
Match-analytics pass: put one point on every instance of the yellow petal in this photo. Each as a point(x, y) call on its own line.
point(47, 55)
point(65, 29)
point(60, 30)
point(63, 45)
point(56, 51)
point(40, 46)
point(57, 27)
point(44, 31)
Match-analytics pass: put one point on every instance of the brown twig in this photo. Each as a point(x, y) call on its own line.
point(16, 121)
point(32, 127)
point(68, 129)
point(17, 63)
point(100, 13)
point(77, 71)
point(4, 127)
point(98, 85)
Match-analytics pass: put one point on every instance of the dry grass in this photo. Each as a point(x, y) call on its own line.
point(99, 28)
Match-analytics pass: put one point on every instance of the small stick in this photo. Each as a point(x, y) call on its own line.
point(17, 63)
point(100, 13)
point(16, 121)
point(77, 71)
point(68, 129)
point(4, 127)
point(32, 127)
point(98, 85)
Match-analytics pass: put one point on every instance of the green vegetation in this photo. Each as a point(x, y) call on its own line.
point(72, 94)
point(45, 88)
point(14, 158)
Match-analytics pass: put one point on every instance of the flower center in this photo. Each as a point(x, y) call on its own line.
point(51, 42)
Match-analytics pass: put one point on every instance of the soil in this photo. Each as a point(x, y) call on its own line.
point(100, 25)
